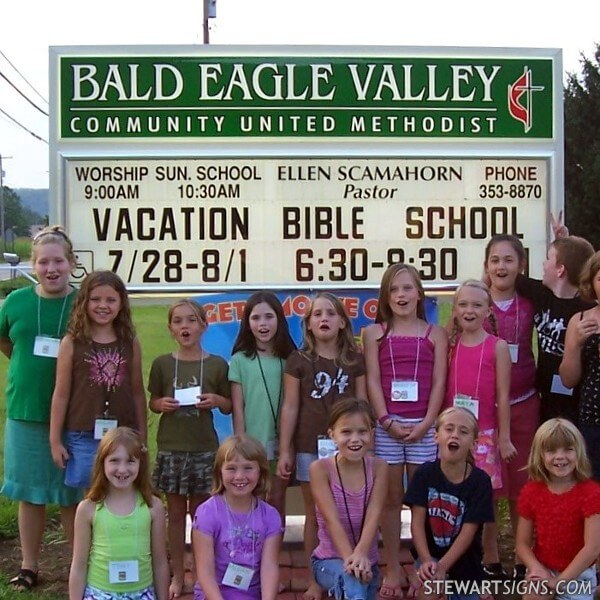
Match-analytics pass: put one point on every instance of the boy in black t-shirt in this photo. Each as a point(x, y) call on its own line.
point(556, 299)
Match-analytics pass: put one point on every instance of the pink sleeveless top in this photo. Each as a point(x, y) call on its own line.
point(515, 325)
point(357, 501)
point(407, 359)
point(472, 372)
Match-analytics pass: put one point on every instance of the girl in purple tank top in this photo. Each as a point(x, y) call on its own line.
point(349, 489)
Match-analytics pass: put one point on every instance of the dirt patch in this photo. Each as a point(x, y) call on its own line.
point(55, 560)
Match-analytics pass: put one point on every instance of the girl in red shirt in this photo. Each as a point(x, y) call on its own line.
point(558, 535)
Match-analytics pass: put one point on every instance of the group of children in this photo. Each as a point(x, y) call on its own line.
point(452, 412)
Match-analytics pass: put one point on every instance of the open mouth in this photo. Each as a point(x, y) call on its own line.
point(453, 446)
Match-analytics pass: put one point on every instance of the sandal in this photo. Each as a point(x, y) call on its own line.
point(24, 581)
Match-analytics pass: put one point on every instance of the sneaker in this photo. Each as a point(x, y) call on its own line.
point(495, 572)
point(519, 572)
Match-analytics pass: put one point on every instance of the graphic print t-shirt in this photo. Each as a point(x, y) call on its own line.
point(322, 382)
point(449, 506)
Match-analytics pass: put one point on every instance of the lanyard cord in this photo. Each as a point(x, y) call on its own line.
point(274, 413)
point(177, 371)
point(478, 372)
point(243, 527)
point(418, 339)
point(504, 333)
point(39, 315)
point(364, 512)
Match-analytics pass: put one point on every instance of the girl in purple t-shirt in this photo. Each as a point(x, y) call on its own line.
point(236, 535)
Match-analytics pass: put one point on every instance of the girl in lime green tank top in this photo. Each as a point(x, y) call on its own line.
point(120, 541)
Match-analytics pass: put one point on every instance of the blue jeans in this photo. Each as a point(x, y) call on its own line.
point(329, 574)
point(82, 448)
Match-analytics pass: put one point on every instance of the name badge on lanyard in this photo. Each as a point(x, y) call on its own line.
point(326, 447)
point(471, 404)
point(123, 571)
point(102, 426)
point(188, 396)
point(405, 391)
point(272, 449)
point(559, 388)
point(514, 353)
point(238, 576)
point(46, 346)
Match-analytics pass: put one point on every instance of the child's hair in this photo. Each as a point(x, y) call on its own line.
point(351, 406)
point(248, 448)
point(131, 441)
point(439, 422)
point(589, 272)
point(553, 434)
point(283, 345)
point(480, 285)
point(514, 242)
point(345, 339)
point(79, 324)
point(54, 234)
point(572, 252)
point(384, 312)
point(196, 308)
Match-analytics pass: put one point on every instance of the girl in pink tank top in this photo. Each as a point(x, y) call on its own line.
point(479, 380)
point(406, 373)
point(349, 490)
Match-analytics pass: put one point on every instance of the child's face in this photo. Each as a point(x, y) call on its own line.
point(324, 321)
point(552, 271)
point(471, 308)
point(560, 463)
point(404, 295)
point(52, 268)
point(263, 324)
point(503, 266)
point(121, 470)
point(103, 305)
point(352, 436)
point(455, 437)
point(240, 476)
point(186, 327)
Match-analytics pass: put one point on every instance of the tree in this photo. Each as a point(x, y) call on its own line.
point(582, 150)
point(16, 216)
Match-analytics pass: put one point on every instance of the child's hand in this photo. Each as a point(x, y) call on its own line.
point(285, 465)
point(507, 450)
point(166, 404)
point(208, 401)
point(559, 230)
point(585, 328)
point(427, 570)
point(538, 572)
point(59, 455)
point(399, 430)
point(416, 434)
point(359, 565)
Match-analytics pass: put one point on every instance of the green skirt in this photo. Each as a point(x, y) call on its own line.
point(30, 474)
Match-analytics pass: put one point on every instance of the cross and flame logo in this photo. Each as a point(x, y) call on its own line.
point(520, 96)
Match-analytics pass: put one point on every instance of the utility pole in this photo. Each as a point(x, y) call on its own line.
point(2, 203)
point(210, 12)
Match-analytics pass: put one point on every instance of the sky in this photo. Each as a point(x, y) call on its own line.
point(29, 27)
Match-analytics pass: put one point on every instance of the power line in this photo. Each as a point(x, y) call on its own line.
point(23, 77)
point(35, 135)
point(22, 94)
